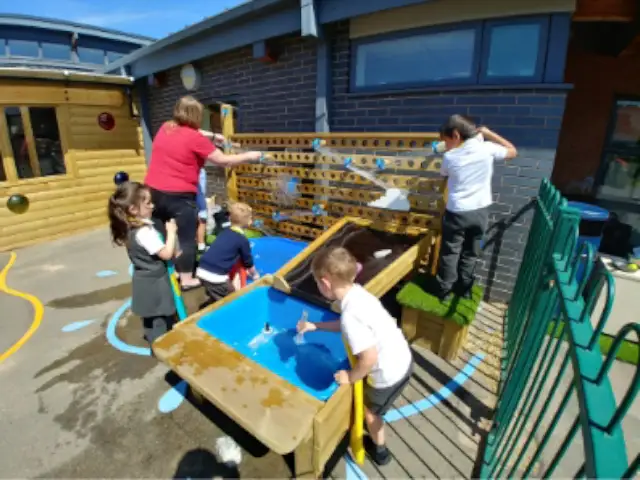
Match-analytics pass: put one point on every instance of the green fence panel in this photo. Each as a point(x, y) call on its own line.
point(556, 405)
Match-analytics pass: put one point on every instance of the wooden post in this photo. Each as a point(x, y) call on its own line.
point(63, 116)
point(226, 112)
point(6, 149)
point(303, 458)
point(31, 141)
point(438, 243)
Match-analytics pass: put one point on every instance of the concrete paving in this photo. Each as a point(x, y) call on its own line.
point(73, 406)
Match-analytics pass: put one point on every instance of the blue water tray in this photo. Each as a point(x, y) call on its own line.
point(309, 365)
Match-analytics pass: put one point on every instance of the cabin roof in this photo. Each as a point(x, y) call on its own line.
point(30, 21)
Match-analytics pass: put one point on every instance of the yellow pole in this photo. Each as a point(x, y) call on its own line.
point(357, 428)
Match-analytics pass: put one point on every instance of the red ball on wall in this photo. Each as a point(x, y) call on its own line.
point(106, 121)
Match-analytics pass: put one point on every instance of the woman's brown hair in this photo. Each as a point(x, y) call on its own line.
point(188, 112)
point(127, 195)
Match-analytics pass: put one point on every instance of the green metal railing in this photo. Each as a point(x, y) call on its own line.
point(554, 380)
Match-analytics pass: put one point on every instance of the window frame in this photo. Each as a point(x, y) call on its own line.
point(32, 57)
point(543, 44)
point(416, 32)
point(6, 148)
point(481, 54)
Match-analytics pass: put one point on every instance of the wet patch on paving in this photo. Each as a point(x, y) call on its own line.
point(91, 299)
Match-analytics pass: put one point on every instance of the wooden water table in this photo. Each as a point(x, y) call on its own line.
point(278, 390)
point(278, 401)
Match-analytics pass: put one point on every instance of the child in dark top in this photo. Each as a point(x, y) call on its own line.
point(130, 211)
point(229, 246)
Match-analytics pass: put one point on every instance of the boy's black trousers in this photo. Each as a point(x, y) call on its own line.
point(462, 234)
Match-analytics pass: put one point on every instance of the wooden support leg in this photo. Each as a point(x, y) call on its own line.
point(197, 396)
point(303, 458)
point(453, 337)
point(410, 323)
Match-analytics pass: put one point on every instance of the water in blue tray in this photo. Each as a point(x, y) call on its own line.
point(308, 361)
point(272, 253)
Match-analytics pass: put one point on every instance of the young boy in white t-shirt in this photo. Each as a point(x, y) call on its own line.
point(468, 164)
point(383, 354)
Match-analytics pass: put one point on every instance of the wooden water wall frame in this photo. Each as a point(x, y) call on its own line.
point(76, 201)
point(324, 180)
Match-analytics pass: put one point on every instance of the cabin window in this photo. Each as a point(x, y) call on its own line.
point(490, 52)
point(91, 55)
point(56, 51)
point(114, 56)
point(23, 48)
point(35, 141)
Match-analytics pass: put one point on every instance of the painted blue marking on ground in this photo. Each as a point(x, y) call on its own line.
point(113, 339)
point(354, 472)
point(440, 395)
point(173, 398)
point(72, 327)
point(106, 273)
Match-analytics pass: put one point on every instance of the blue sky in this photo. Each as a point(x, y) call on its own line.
point(154, 18)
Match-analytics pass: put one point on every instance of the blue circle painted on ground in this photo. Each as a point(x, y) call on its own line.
point(590, 212)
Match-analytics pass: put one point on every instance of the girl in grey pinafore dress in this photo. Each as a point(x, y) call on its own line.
point(152, 296)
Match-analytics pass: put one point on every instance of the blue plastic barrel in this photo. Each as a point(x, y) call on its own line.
point(592, 223)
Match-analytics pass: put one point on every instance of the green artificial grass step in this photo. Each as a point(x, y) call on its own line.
point(462, 311)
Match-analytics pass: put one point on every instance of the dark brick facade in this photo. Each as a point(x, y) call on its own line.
point(277, 97)
point(281, 97)
point(528, 117)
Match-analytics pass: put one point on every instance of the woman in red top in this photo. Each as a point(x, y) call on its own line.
point(178, 153)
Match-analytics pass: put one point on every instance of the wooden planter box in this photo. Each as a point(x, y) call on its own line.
point(439, 326)
point(442, 336)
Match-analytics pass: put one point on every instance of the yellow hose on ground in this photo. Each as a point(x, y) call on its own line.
point(357, 428)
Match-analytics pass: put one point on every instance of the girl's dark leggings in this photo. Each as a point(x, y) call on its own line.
point(181, 207)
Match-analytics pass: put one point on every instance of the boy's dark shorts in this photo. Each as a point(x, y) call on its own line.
point(379, 400)
point(216, 291)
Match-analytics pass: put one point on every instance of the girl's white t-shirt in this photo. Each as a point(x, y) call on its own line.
point(365, 323)
point(470, 169)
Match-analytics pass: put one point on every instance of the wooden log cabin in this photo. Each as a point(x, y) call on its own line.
point(65, 127)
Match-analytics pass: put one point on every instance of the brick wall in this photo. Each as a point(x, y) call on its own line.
point(530, 118)
point(277, 97)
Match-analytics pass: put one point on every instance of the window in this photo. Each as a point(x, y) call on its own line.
point(56, 51)
point(18, 142)
point(626, 128)
point(486, 52)
point(412, 60)
point(23, 48)
point(514, 51)
point(91, 55)
point(35, 141)
point(114, 56)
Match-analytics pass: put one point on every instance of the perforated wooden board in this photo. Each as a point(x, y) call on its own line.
point(322, 180)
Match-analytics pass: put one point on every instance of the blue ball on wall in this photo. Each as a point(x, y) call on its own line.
point(120, 177)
